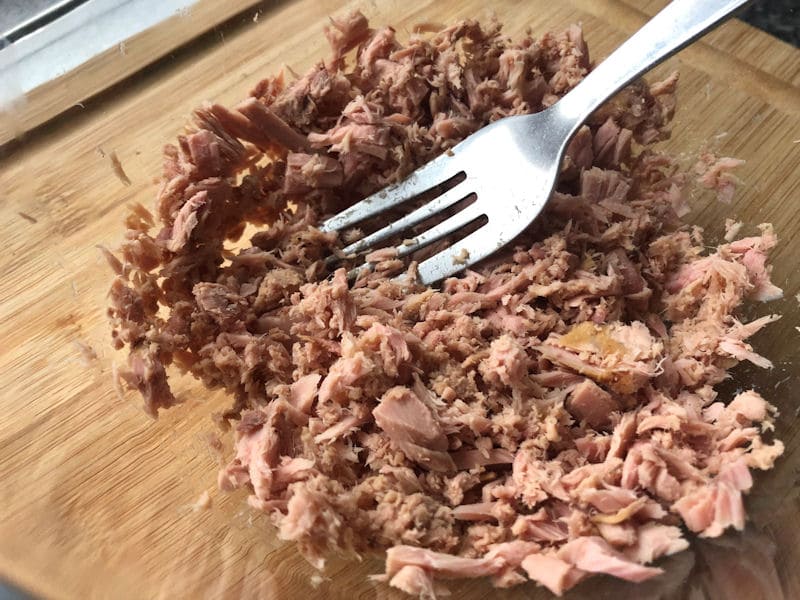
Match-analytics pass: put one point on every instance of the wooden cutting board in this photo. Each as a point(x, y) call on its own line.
point(95, 498)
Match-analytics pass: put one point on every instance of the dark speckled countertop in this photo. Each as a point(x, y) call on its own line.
point(781, 18)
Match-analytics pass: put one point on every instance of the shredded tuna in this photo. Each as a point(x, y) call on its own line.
point(549, 415)
point(552, 572)
point(717, 174)
point(203, 502)
point(732, 229)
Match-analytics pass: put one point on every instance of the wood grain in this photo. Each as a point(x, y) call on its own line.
point(95, 497)
point(114, 65)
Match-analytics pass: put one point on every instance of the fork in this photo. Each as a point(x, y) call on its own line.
point(511, 165)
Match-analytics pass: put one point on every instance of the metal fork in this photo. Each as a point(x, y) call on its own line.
point(512, 164)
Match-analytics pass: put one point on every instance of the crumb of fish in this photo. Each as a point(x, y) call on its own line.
point(203, 502)
point(221, 421)
point(215, 447)
point(381, 255)
point(317, 580)
point(116, 165)
point(87, 353)
point(112, 260)
point(351, 235)
point(116, 381)
point(462, 257)
point(732, 229)
point(427, 27)
point(716, 173)
point(256, 16)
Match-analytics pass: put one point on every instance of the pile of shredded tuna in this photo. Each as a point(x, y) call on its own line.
point(549, 415)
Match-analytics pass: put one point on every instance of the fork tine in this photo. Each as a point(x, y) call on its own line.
point(437, 232)
point(447, 199)
point(478, 245)
point(434, 173)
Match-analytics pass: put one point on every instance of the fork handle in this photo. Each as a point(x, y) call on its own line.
point(677, 25)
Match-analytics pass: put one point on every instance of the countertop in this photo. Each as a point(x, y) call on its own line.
point(778, 17)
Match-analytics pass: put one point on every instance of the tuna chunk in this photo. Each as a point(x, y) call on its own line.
point(412, 427)
point(553, 573)
point(146, 373)
point(753, 252)
point(370, 140)
point(540, 526)
point(303, 392)
point(265, 127)
point(654, 540)
point(442, 565)
point(594, 555)
point(711, 510)
point(481, 511)
point(506, 363)
point(346, 32)
point(591, 403)
point(623, 357)
point(469, 459)
point(717, 174)
point(415, 581)
point(612, 145)
point(306, 172)
point(343, 374)
point(186, 221)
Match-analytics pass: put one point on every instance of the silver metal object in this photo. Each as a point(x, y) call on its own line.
point(512, 164)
